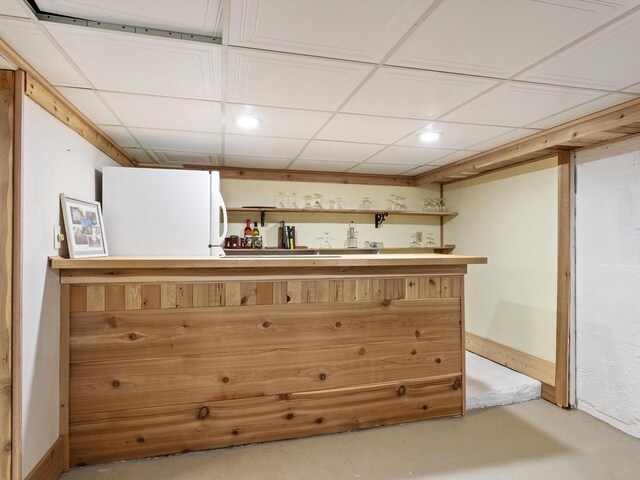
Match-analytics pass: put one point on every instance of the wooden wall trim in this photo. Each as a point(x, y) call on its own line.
point(45, 95)
point(307, 176)
point(564, 280)
point(17, 276)
point(617, 116)
point(7, 131)
point(51, 465)
point(529, 365)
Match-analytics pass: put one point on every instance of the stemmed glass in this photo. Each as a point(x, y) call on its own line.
point(281, 196)
point(307, 201)
point(339, 203)
point(318, 201)
point(325, 240)
point(414, 241)
point(430, 240)
point(294, 201)
point(366, 204)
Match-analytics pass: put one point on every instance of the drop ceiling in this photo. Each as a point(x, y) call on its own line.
point(337, 85)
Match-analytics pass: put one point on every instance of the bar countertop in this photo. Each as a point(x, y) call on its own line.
point(59, 263)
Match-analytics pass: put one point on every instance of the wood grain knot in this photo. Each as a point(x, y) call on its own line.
point(402, 390)
point(319, 420)
point(432, 281)
point(417, 333)
point(243, 301)
point(386, 302)
point(112, 322)
point(414, 351)
point(133, 336)
point(322, 377)
point(412, 284)
point(288, 298)
point(361, 351)
point(140, 439)
point(457, 384)
point(115, 383)
point(8, 447)
point(289, 416)
point(424, 407)
point(225, 379)
point(265, 324)
point(234, 432)
point(438, 360)
point(203, 413)
point(338, 324)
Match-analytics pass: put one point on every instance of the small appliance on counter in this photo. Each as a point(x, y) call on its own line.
point(163, 212)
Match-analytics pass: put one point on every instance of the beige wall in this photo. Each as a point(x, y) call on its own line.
point(511, 217)
point(395, 232)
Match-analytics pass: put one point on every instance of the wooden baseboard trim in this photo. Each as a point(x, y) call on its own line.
point(54, 463)
point(534, 367)
point(549, 393)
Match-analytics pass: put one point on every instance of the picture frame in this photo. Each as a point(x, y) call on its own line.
point(84, 227)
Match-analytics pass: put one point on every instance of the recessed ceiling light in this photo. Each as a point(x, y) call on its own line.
point(247, 121)
point(429, 136)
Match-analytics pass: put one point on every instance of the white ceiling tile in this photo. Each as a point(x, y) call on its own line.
point(339, 151)
point(454, 135)
point(275, 122)
point(348, 29)
point(250, 146)
point(517, 104)
point(90, 104)
point(140, 155)
point(321, 165)
point(454, 157)
point(633, 88)
point(255, 162)
point(186, 158)
point(399, 92)
point(381, 168)
point(34, 45)
point(499, 38)
point(409, 155)
point(515, 134)
point(134, 63)
point(120, 135)
point(166, 113)
point(15, 8)
point(177, 141)
point(295, 81)
point(584, 109)
point(420, 170)
point(606, 60)
point(199, 16)
point(367, 129)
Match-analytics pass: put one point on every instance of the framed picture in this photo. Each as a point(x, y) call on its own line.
point(84, 227)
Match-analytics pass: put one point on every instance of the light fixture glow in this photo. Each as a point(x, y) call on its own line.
point(247, 122)
point(429, 136)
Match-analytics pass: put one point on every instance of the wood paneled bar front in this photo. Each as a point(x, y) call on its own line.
point(169, 355)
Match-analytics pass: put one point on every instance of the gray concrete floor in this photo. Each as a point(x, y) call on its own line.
point(531, 440)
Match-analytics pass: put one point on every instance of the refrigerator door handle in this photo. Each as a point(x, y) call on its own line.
point(223, 207)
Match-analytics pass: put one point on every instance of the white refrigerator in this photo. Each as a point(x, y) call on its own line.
point(163, 212)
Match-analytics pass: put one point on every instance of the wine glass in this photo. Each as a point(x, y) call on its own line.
point(366, 204)
point(307, 201)
point(281, 204)
point(430, 240)
point(327, 240)
point(414, 241)
point(294, 201)
point(317, 201)
point(339, 203)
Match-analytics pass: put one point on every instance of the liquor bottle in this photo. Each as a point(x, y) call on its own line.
point(248, 235)
point(255, 234)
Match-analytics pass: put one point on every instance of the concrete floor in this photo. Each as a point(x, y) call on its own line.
point(490, 384)
point(531, 440)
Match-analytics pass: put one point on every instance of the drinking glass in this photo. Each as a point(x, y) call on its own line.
point(294, 201)
point(281, 196)
point(430, 240)
point(317, 201)
point(414, 241)
point(332, 204)
point(366, 204)
point(339, 203)
point(307, 201)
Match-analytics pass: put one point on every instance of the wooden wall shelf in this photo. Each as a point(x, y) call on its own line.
point(345, 211)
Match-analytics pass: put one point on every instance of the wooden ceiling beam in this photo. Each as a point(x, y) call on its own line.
point(45, 95)
point(551, 139)
point(308, 176)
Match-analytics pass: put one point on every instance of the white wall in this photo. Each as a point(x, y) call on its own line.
point(395, 232)
point(608, 283)
point(510, 217)
point(56, 160)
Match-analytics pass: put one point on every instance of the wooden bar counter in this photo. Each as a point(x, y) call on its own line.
point(168, 355)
